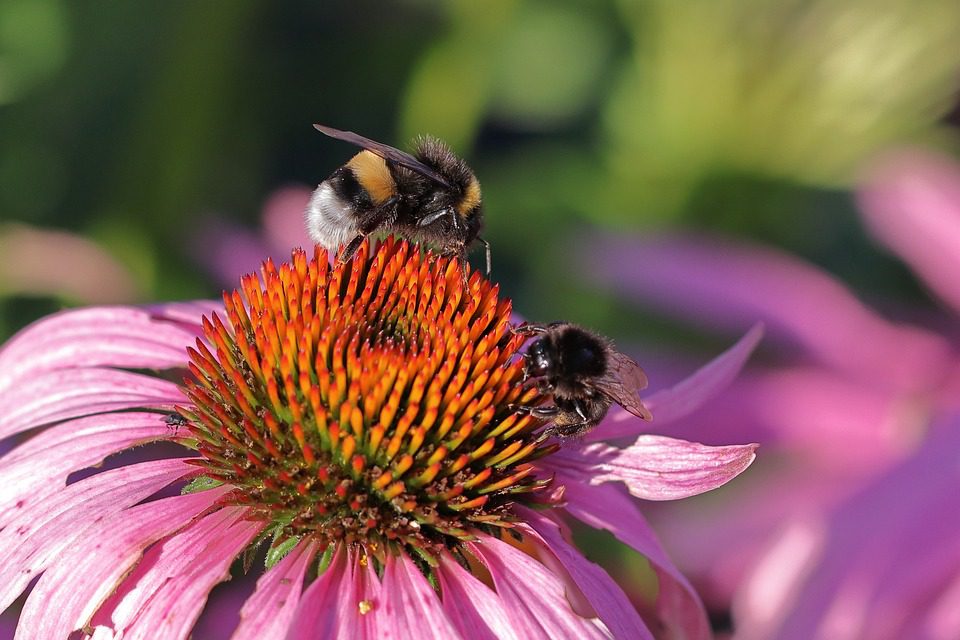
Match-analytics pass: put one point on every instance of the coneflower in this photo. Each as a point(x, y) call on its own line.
point(356, 422)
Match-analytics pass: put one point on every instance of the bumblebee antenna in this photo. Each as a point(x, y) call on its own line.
point(486, 246)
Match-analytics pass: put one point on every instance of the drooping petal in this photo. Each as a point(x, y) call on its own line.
point(657, 467)
point(474, 608)
point(40, 466)
point(339, 605)
point(669, 405)
point(873, 562)
point(717, 539)
point(270, 610)
point(69, 393)
point(911, 202)
point(35, 536)
point(798, 408)
point(409, 607)
point(165, 593)
point(605, 596)
point(52, 262)
point(536, 595)
point(719, 283)
point(943, 618)
point(319, 613)
point(77, 583)
point(608, 507)
point(100, 336)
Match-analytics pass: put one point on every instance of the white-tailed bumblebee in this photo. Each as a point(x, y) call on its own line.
point(430, 196)
point(583, 373)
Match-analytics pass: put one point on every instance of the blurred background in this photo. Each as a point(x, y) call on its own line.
point(156, 150)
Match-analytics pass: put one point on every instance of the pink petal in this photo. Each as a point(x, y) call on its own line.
point(186, 315)
point(607, 507)
point(718, 538)
point(657, 467)
point(40, 467)
point(68, 393)
point(165, 593)
point(77, 583)
point(317, 613)
point(604, 594)
point(799, 408)
point(33, 537)
point(943, 619)
point(718, 283)
point(38, 261)
point(340, 605)
point(911, 203)
point(685, 397)
point(474, 608)
point(227, 250)
point(875, 561)
point(532, 594)
point(269, 612)
point(409, 607)
point(283, 217)
point(115, 336)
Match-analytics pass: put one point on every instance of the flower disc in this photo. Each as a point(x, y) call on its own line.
point(366, 402)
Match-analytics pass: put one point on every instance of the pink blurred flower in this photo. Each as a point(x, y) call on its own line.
point(839, 531)
point(227, 250)
point(354, 417)
point(43, 262)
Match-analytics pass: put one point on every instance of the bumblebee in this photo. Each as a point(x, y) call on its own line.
point(430, 196)
point(583, 373)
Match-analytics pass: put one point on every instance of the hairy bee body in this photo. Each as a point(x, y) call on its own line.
point(583, 373)
point(431, 196)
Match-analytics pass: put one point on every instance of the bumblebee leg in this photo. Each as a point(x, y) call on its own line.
point(431, 218)
point(537, 412)
point(569, 430)
point(486, 246)
point(351, 248)
point(529, 329)
point(382, 215)
point(579, 409)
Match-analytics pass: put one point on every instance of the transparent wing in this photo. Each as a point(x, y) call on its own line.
point(385, 151)
point(622, 383)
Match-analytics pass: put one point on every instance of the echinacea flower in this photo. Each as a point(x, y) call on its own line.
point(846, 529)
point(355, 422)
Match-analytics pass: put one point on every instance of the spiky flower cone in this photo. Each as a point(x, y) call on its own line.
point(366, 402)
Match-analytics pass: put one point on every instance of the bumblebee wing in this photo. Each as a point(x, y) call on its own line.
point(622, 383)
point(385, 151)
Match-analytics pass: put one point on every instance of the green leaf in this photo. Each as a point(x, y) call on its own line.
point(278, 550)
point(198, 484)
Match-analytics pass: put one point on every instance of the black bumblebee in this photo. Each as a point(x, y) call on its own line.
point(431, 196)
point(583, 373)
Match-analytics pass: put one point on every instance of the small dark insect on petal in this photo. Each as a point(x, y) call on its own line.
point(175, 421)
